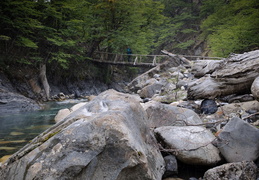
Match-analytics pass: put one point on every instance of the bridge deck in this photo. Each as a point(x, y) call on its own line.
point(125, 63)
point(139, 60)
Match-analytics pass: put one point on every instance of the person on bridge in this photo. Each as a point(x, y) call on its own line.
point(129, 53)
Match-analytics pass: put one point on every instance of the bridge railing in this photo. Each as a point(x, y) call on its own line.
point(140, 59)
point(126, 58)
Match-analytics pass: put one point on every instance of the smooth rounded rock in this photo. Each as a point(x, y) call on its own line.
point(191, 144)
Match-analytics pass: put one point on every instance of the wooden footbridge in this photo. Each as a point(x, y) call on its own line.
point(139, 60)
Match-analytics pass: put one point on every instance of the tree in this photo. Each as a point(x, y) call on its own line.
point(180, 27)
point(231, 27)
point(113, 25)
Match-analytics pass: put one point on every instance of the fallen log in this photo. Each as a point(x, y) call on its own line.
point(202, 67)
point(178, 59)
point(233, 75)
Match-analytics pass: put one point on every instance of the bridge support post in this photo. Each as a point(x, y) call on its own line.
point(135, 61)
point(116, 57)
point(154, 61)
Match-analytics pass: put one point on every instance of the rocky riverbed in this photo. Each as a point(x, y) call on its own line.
point(153, 132)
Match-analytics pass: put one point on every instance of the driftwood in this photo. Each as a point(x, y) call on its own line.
point(202, 67)
point(233, 75)
point(178, 59)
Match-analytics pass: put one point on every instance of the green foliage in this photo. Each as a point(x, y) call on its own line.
point(231, 28)
point(26, 42)
point(176, 33)
point(4, 38)
point(185, 45)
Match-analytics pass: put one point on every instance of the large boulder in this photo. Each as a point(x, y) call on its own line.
point(108, 138)
point(191, 144)
point(238, 141)
point(166, 115)
point(255, 88)
point(245, 170)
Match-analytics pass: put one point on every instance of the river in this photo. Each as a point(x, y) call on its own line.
point(18, 129)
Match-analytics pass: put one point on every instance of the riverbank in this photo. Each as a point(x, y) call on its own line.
point(21, 90)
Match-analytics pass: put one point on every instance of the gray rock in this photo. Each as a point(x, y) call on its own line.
point(62, 114)
point(151, 90)
point(238, 141)
point(171, 167)
point(166, 115)
point(255, 88)
point(108, 138)
point(170, 97)
point(191, 144)
point(181, 83)
point(239, 107)
point(245, 170)
point(208, 106)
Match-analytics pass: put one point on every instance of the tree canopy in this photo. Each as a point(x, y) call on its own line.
point(65, 32)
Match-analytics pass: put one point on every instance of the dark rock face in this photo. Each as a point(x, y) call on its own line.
point(108, 138)
point(245, 170)
point(11, 101)
point(238, 141)
point(208, 106)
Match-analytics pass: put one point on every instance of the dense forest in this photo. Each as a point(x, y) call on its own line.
point(61, 34)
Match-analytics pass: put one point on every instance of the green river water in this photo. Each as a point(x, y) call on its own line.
point(18, 129)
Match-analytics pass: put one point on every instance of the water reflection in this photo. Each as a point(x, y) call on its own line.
point(18, 129)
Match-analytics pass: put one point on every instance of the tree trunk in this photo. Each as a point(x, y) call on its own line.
point(233, 75)
point(44, 80)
